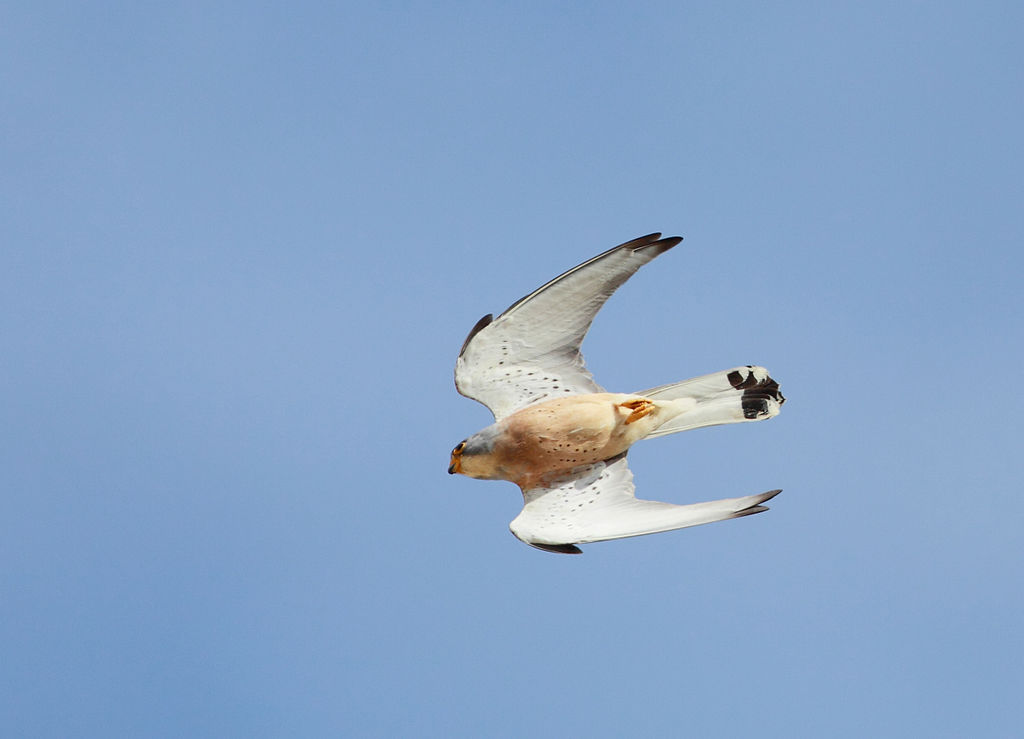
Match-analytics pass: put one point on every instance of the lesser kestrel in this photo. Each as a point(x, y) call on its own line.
point(562, 439)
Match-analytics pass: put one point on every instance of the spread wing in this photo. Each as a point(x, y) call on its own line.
point(598, 504)
point(532, 351)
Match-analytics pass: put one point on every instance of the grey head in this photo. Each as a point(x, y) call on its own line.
point(480, 443)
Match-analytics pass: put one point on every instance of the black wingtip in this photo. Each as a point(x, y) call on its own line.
point(764, 498)
point(758, 506)
point(651, 241)
point(480, 326)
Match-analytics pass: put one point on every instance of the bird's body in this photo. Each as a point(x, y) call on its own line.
point(546, 440)
point(562, 439)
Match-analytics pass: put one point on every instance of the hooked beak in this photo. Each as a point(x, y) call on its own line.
point(456, 465)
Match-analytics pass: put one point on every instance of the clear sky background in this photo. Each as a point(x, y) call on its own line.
point(241, 245)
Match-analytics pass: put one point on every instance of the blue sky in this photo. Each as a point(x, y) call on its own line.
point(242, 244)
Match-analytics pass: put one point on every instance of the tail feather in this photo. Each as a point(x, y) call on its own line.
point(733, 396)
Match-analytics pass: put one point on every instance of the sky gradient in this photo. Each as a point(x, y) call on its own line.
point(242, 244)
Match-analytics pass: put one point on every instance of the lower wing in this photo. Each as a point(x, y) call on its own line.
point(597, 503)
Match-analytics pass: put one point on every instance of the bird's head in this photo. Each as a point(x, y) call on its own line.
point(472, 456)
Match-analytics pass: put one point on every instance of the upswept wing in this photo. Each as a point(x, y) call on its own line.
point(531, 352)
point(598, 504)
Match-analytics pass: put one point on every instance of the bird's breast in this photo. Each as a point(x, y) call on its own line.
point(560, 434)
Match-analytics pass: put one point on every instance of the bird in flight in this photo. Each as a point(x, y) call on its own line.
point(562, 439)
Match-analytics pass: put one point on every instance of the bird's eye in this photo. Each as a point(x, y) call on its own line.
point(460, 447)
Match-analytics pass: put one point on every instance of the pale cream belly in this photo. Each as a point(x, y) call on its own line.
point(554, 437)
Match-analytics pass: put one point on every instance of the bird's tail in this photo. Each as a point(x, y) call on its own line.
point(733, 396)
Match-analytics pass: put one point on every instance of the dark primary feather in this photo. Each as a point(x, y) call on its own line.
point(652, 245)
